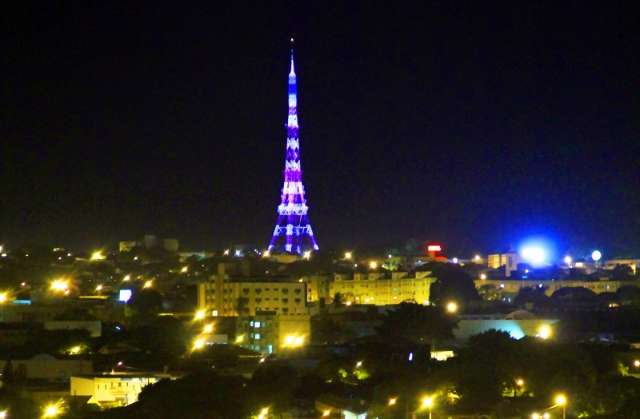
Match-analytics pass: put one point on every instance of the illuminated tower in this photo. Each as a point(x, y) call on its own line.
point(293, 233)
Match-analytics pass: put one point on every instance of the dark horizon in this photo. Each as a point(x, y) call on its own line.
point(475, 126)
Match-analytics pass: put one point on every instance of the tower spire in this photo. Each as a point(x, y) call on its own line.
point(293, 232)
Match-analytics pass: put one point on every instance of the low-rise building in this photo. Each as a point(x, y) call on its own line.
point(45, 367)
point(113, 389)
point(269, 332)
point(508, 260)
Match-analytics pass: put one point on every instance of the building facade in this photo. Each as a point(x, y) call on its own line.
point(376, 288)
point(224, 296)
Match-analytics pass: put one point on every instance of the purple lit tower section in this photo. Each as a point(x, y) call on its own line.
point(293, 232)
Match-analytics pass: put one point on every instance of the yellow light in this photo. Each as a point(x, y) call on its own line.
point(520, 382)
point(4, 414)
point(373, 265)
point(99, 288)
point(348, 303)
point(326, 413)
point(226, 252)
point(199, 315)
point(392, 401)
point(544, 331)
point(126, 278)
point(306, 255)
point(184, 269)
point(636, 363)
point(147, 284)
point(358, 364)
point(483, 276)
point(97, 255)
point(266, 254)
point(59, 285)
point(4, 297)
point(239, 339)
point(208, 328)
point(51, 410)
point(263, 413)
point(198, 344)
point(560, 400)
point(452, 307)
point(348, 255)
point(535, 415)
point(75, 350)
point(293, 341)
point(427, 402)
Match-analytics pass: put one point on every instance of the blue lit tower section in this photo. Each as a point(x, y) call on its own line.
point(293, 232)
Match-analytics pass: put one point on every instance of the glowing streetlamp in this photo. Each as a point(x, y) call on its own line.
point(427, 403)
point(392, 401)
point(207, 329)
point(198, 344)
point(373, 265)
point(199, 315)
point(348, 255)
point(562, 401)
point(266, 254)
point(483, 276)
point(568, 260)
point(264, 412)
point(52, 410)
point(306, 255)
point(544, 332)
point(636, 363)
point(59, 286)
point(4, 414)
point(184, 269)
point(520, 382)
point(147, 284)
point(97, 255)
point(452, 307)
point(4, 298)
point(326, 413)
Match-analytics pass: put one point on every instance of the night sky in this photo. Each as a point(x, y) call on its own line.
point(472, 123)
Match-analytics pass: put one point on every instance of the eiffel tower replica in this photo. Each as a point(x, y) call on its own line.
point(293, 233)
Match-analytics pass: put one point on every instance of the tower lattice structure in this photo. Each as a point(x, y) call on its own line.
point(293, 232)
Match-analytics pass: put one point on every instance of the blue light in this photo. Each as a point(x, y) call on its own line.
point(537, 251)
point(124, 295)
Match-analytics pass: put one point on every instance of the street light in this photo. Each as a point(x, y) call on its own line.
point(4, 414)
point(452, 307)
point(52, 410)
point(392, 401)
point(198, 344)
point(199, 315)
point(544, 332)
point(427, 403)
point(636, 363)
point(561, 400)
point(4, 297)
point(263, 413)
point(348, 255)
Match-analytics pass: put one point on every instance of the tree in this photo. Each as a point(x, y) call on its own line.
point(416, 323)
point(452, 283)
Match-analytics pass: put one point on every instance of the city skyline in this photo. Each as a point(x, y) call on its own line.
point(467, 126)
